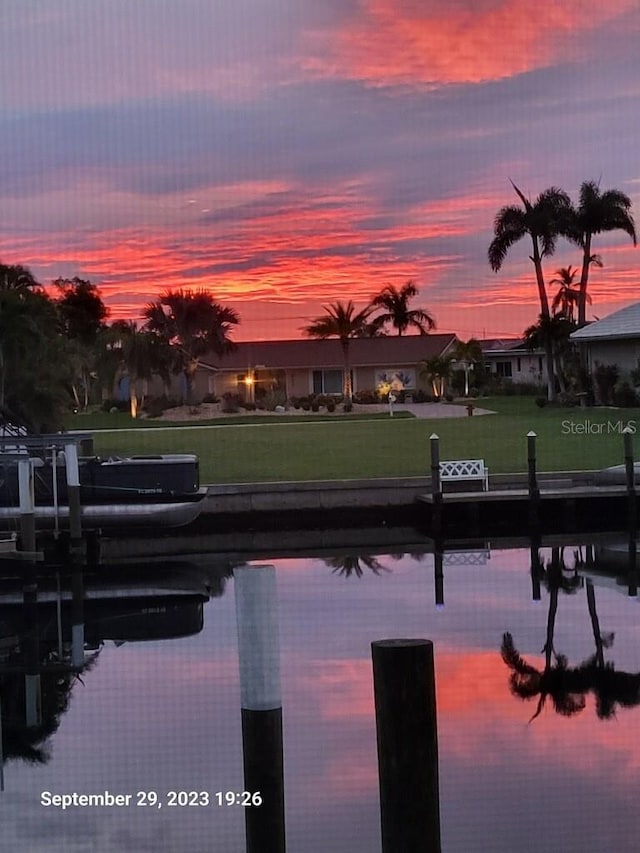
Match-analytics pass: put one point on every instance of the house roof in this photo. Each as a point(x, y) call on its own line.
point(499, 344)
point(363, 352)
point(624, 323)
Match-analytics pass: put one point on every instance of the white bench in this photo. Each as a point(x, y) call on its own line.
point(464, 469)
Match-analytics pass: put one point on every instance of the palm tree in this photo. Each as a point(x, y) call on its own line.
point(552, 332)
point(567, 296)
point(598, 212)
point(396, 312)
point(16, 277)
point(543, 221)
point(437, 370)
point(343, 322)
point(193, 323)
point(466, 355)
point(142, 354)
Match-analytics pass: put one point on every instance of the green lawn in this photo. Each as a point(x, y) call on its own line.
point(341, 448)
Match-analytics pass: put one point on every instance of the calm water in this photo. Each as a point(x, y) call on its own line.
point(164, 715)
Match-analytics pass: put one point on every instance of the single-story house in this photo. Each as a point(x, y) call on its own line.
point(613, 340)
point(510, 359)
point(298, 368)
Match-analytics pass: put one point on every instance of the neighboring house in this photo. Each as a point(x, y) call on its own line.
point(301, 367)
point(613, 340)
point(510, 359)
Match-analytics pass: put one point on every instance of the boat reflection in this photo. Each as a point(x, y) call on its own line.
point(53, 629)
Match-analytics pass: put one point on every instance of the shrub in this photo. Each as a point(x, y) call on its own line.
point(449, 398)
point(366, 397)
point(331, 406)
point(347, 407)
point(155, 406)
point(111, 404)
point(625, 396)
point(210, 398)
point(306, 406)
point(541, 402)
point(605, 377)
point(315, 406)
point(230, 403)
point(567, 398)
point(249, 407)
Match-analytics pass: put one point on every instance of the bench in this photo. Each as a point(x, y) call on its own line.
point(464, 469)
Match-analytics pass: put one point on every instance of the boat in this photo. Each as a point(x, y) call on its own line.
point(115, 491)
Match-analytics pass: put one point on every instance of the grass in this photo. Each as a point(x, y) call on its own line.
point(265, 450)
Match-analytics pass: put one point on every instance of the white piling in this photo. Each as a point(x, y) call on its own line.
point(73, 491)
point(261, 700)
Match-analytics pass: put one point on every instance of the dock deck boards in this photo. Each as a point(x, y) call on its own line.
point(580, 492)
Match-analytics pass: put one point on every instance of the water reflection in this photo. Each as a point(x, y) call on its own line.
point(166, 713)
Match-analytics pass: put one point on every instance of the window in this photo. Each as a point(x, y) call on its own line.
point(327, 382)
point(504, 369)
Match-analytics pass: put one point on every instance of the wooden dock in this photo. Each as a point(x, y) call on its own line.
point(556, 509)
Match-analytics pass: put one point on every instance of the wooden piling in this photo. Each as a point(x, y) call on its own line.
point(77, 615)
point(534, 491)
point(631, 482)
point(261, 703)
point(436, 484)
point(405, 703)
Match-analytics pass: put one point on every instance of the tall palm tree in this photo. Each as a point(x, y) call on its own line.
point(193, 323)
point(543, 221)
point(466, 355)
point(341, 321)
point(598, 212)
point(394, 304)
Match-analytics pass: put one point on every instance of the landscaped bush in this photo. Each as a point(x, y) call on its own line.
point(230, 403)
point(118, 405)
point(331, 406)
point(306, 405)
point(567, 398)
point(347, 407)
point(421, 396)
point(605, 377)
point(315, 406)
point(366, 397)
point(449, 398)
point(625, 396)
point(155, 406)
point(210, 398)
point(248, 407)
point(541, 402)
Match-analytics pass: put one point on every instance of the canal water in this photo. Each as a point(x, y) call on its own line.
point(556, 767)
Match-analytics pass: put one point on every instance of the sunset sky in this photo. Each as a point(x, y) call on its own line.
point(287, 153)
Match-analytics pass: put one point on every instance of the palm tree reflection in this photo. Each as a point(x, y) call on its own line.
point(349, 565)
point(568, 687)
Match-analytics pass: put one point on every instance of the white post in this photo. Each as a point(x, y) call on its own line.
point(54, 475)
point(258, 641)
point(392, 399)
point(73, 490)
point(261, 700)
point(27, 505)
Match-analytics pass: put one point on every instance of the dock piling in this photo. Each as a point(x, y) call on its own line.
point(436, 483)
point(534, 490)
point(406, 726)
point(261, 702)
point(73, 490)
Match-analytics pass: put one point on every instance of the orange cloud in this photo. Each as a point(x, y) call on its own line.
point(403, 42)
